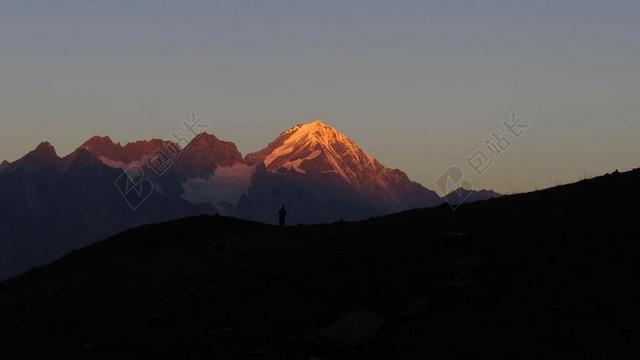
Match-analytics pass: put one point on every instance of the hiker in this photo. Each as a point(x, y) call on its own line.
point(282, 215)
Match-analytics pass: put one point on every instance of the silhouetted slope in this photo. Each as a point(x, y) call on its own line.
point(462, 195)
point(549, 274)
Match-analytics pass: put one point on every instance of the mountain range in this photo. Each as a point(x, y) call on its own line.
point(50, 205)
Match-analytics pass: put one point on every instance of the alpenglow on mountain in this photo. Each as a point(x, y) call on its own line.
point(317, 156)
point(317, 172)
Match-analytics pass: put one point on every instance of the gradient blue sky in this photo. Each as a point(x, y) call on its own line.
point(418, 84)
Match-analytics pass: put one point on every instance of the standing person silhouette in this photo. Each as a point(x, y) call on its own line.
point(282, 215)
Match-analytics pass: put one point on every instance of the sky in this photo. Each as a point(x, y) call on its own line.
point(420, 85)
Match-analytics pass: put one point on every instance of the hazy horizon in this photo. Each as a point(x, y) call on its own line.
point(418, 85)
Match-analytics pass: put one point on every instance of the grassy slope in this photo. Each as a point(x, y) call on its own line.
point(549, 274)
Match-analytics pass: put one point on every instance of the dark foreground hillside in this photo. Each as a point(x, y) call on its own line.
point(550, 274)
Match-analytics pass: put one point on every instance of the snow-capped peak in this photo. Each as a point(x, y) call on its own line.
point(317, 147)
